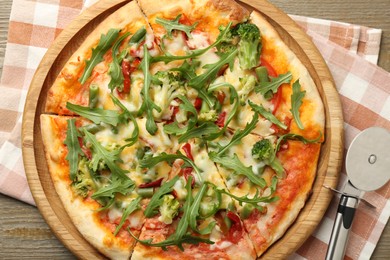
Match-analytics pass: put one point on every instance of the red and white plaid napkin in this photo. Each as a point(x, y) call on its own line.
point(351, 52)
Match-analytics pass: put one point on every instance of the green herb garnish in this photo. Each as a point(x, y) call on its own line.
point(239, 134)
point(74, 149)
point(96, 115)
point(274, 84)
point(109, 157)
point(105, 43)
point(238, 167)
point(115, 70)
point(266, 114)
point(171, 25)
point(133, 206)
point(296, 102)
point(148, 105)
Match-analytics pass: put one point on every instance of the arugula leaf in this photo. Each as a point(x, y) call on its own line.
point(133, 206)
point(100, 153)
point(74, 149)
point(179, 237)
point(169, 57)
point(233, 99)
point(171, 25)
point(239, 134)
point(174, 128)
point(157, 198)
point(97, 54)
point(118, 185)
point(181, 228)
point(96, 115)
point(187, 70)
point(151, 162)
point(124, 117)
point(138, 36)
point(238, 167)
point(204, 131)
point(291, 136)
point(115, 70)
point(266, 114)
point(274, 84)
point(296, 102)
point(194, 213)
point(186, 239)
point(148, 105)
point(257, 198)
point(201, 81)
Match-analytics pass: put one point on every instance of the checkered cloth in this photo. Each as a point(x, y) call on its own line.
point(350, 51)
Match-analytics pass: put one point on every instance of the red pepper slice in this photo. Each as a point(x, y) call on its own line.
point(235, 231)
point(127, 69)
point(233, 217)
point(85, 150)
point(221, 119)
point(221, 97)
point(134, 65)
point(126, 75)
point(156, 183)
point(187, 172)
point(271, 71)
point(187, 150)
point(198, 103)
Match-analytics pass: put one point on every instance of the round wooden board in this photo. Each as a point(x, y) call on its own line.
point(68, 41)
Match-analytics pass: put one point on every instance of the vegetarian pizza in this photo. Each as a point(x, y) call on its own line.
point(183, 129)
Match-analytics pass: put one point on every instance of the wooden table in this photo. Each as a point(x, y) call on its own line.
point(24, 233)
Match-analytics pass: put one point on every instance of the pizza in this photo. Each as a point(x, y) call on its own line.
point(182, 130)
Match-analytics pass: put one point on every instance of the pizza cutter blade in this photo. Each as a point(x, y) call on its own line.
point(368, 168)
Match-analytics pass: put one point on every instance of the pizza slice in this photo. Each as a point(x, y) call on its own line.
point(269, 178)
point(299, 161)
point(107, 62)
point(278, 87)
point(74, 181)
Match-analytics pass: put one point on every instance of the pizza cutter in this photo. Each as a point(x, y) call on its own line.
point(368, 169)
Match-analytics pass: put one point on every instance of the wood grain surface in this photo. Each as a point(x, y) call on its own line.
point(23, 232)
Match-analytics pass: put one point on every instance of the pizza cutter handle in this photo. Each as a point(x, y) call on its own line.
point(340, 231)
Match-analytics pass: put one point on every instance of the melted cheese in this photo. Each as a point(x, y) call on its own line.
point(199, 40)
point(180, 189)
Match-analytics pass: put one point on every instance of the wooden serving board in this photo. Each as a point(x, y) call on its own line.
point(68, 41)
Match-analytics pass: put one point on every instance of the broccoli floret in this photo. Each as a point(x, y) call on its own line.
point(229, 41)
point(249, 45)
point(167, 85)
point(247, 85)
point(168, 209)
point(262, 150)
point(247, 38)
point(209, 116)
point(83, 181)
